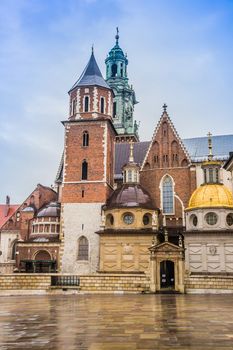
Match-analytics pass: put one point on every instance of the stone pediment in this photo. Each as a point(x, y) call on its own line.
point(166, 247)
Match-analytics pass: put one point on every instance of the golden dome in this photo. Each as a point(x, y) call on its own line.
point(211, 195)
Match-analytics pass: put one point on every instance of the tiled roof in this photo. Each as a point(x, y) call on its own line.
point(197, 148)
point(6, 212)
point(91, 75)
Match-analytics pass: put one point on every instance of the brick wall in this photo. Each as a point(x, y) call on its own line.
point(89, 283)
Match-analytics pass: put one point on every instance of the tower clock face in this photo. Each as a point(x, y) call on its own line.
point(128, 218)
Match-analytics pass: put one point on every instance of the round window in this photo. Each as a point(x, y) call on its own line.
point(146, 219)
point(230, 219)
point(128, 218)
point(211, 218)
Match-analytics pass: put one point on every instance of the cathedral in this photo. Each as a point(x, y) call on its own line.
point(163, 208)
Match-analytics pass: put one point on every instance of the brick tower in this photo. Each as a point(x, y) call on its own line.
point(88, 168)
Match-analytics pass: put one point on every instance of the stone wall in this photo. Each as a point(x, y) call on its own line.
point(131, 283)
point(209, 284)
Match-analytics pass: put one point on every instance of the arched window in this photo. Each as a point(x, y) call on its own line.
point(114, 70)
point(86, 104)
point(85, 139)
point(82, 248)
point(167, 192)
point(84, 170)
point(102, 105)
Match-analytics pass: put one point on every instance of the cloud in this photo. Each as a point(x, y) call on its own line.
point(179, 52)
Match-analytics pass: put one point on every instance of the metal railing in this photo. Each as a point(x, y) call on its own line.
point(65, 281)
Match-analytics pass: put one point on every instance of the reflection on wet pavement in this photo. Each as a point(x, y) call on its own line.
point(119, 322)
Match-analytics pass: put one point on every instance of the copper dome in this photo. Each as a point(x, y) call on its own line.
point(130, 195)
point(51, 209)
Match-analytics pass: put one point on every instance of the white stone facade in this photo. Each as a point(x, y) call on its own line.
point(209, 252)
point(81, 219)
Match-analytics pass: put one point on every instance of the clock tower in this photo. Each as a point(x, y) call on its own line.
point(124, 95)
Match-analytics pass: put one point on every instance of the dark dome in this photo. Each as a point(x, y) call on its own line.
point(51, 209)
point(130, 195)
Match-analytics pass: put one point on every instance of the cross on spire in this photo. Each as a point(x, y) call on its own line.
point(117, 35)
point(164, 108)
point(210, 146)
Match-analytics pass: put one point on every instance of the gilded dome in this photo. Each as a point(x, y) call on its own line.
point(210, 196)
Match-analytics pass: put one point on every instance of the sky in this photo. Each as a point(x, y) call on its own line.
point(180, 52)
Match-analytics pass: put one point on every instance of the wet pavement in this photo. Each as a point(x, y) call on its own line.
point(116, 322)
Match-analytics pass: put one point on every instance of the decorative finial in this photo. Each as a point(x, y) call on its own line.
point(210, 146)
point(92, 48)
point(164, 108)
point(117, 35)
point(131, 158)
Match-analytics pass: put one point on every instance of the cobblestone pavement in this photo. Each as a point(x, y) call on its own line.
point(116, 322)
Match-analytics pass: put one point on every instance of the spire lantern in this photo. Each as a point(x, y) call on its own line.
point(131, 169)
point(210, 155)
point(211, 167)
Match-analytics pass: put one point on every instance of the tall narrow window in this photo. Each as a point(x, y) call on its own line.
point(114, 109)
point(86, 104)
point(85, 139)
point(84, 170)
point(102, 105)
point(82, 248)
point(167, 190)
point(114, 70)
point(74, 105)
point(211, 175)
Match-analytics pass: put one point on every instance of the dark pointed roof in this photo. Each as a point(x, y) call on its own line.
point(91, 75)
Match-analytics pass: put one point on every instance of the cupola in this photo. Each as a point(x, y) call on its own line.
point(211, 204)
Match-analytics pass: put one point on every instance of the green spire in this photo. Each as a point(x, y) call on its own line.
point(125, 99)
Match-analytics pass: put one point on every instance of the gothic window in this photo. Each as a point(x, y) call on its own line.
point(174, 148)
point(86, 103)
point(84, 170)
point(85, 139)
point(114, 109)
point(82, 248)
point(102, 105)
point(114, 70)
point(167, 194)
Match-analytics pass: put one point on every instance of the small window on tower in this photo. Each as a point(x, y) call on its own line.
point(85, 139)
point(114, 109)
point(114, 70)
point(74, 105)
point(86, 104)
point(102, 105)
point(84, 170)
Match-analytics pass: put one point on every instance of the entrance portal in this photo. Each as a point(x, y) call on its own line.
point(167, 275)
